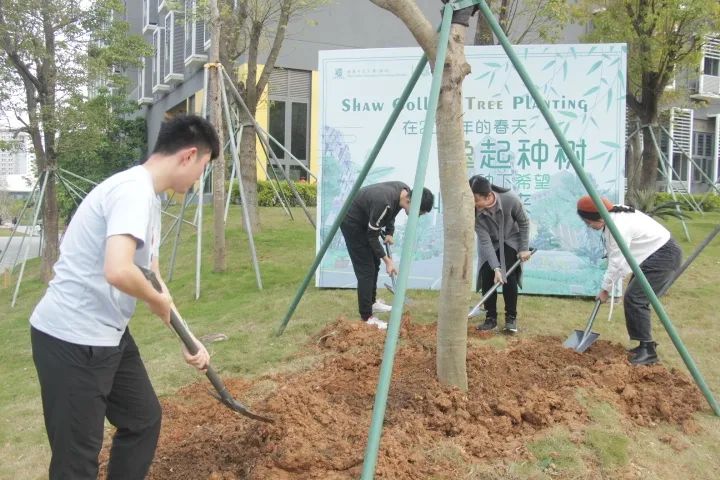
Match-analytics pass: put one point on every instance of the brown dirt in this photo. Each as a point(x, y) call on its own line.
point(323, 415)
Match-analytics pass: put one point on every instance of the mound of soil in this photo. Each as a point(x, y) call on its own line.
point(323, 415)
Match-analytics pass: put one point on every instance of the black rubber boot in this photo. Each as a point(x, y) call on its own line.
point(511, 323)
point(490, 324)
point(634, 351)
point(646, 354)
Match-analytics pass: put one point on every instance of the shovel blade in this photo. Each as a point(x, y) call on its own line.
point(580, 342)
point(476, 311)
point(408, 301)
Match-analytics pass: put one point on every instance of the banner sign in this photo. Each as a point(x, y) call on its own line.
point(506, 139)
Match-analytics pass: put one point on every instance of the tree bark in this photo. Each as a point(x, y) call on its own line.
point(216, 118)
point(483, 32)
point(648, 114)
point(458, 218)
point(248, 148)
point(457, 200)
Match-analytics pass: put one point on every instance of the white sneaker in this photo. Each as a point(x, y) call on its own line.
point(381, 307)
point(377, 322)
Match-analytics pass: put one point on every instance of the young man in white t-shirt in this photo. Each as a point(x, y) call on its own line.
point(658, 255)
point(87, 362)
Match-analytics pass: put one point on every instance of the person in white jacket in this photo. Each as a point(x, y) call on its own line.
point(658, 255)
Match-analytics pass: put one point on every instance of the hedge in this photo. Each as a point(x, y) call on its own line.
point(267, 198)
point(708, 203)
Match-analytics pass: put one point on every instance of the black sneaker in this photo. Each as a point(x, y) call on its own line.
point(490, 324)
point(646, 354)
point(511, 324)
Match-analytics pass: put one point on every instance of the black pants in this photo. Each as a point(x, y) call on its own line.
point(366, 266)
point(486, 279)
point(80, 386)
point(659, 268)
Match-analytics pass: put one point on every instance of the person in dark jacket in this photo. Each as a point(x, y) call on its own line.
point(372, 214)
point(503, 233)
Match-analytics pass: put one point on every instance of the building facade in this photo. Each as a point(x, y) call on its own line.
point(16, 153)
point(171, 80)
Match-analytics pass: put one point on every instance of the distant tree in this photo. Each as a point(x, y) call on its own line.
point(53, 51)
point(664, 38)
point(251, 28)
point(524, 21)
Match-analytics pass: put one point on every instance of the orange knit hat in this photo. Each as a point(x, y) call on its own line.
point(586, 207)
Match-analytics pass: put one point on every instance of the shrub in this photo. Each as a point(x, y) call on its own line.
point(708, 203)
point(267, 197)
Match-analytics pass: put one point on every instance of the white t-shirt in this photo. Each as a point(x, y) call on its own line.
point(643, 235)
point(80, 306)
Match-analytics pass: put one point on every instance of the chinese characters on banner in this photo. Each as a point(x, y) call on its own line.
point(506, 139)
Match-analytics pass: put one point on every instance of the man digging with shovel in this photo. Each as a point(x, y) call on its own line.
point(658, 255)
point(503, 235)
point(371, 213)
point(88, 364)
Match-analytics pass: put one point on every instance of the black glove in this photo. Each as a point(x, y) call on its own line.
point(462, 16)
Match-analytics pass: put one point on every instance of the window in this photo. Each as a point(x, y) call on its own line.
point(299, 130)
point(289, 118)
point(703, 149)
point(167, 41)
point(149, 14)
point(276, 124)
point(711, 66)
point(679, 165)
point(703, 144)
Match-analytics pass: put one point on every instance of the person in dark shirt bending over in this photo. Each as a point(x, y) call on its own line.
point(372, 214)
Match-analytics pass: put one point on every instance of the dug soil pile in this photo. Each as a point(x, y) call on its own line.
point(323, 414)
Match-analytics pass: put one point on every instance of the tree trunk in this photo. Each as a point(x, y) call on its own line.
point(633, 164)
point(458, 218)
point(483, 32)
point(216, 118)
point(51, 250)
point(648, 173)
point(248, 165)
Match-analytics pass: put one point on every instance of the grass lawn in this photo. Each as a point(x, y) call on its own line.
point(230, 303)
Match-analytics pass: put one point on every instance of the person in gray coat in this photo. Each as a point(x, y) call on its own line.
point(503, 234)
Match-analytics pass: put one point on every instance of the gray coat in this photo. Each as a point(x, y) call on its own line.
point(505, 223)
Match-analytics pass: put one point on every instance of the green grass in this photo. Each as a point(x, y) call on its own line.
point(230, 303)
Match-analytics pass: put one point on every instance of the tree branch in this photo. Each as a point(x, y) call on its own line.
point(411, 15)
point(277, 43)
point(12, 53)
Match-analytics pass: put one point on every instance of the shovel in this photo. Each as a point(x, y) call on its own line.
point(580, 340)
point(477, 309)
point(391, 288)
point(183, 332)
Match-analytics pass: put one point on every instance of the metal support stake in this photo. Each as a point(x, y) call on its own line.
point(198, 250)
point(241, 102)
point(243, 198)
point(668, 178)
point(171, 267)
point(639, 275)
point(692, 160)
point(38, 207)
point(22, 212)
point(275, 189)
point(232, 177)
point(353, 191)
point(281, 194)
